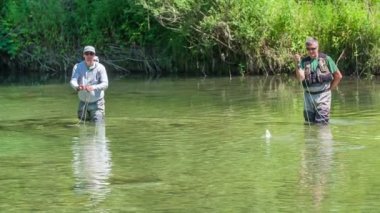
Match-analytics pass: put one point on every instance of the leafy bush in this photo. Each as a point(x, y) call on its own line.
point(44, 38)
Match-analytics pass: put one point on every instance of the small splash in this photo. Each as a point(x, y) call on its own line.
point(267, 134)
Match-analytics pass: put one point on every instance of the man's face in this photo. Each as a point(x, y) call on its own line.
point(312, 50)
point(89, 57)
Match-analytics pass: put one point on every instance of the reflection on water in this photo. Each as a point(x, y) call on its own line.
point(317, 160)
point(191, 146)
point(92, 161)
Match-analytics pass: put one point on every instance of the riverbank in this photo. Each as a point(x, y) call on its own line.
point(217, 38)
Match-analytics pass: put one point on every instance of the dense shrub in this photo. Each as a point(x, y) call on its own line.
point(44, 38)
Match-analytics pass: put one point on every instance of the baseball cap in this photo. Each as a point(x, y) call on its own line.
point(89, 49)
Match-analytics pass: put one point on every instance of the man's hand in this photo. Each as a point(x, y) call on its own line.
point(89, 88)
point(297, 58)
point(299, 73)
point(337, 77)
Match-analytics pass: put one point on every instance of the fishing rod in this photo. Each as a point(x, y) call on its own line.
point(85, 106)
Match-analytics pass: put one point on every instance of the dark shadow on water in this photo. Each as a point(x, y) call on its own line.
point(36, 124)
point(316, 163)
point(92, 162)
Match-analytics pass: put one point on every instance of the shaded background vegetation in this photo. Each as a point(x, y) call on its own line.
point(42, 39)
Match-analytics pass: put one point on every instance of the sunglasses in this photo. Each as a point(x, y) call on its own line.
point(89, 53)
point(309, 49)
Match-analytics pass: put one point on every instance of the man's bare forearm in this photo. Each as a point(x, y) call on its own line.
point(300, 74)
point(337, 78)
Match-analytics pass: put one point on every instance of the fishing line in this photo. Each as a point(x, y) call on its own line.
point(305, 104)
point(304, 99)
point(84, 112)
point(85, 106)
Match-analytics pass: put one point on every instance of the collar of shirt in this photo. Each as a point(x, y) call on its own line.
point(91, 68)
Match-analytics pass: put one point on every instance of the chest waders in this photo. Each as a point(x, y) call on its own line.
point(317, 103)
point(320, 75)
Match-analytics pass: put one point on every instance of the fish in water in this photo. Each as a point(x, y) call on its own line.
point(267, 134)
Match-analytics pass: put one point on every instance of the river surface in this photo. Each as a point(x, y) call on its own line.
point(190, 145)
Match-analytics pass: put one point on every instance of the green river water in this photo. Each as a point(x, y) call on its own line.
point(190, 145)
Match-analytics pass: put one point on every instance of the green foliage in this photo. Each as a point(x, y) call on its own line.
point(264, 34)
point(194, 36)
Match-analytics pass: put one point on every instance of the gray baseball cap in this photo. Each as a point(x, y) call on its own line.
point(89, 49)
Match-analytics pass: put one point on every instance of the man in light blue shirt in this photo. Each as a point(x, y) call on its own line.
point(90, 79)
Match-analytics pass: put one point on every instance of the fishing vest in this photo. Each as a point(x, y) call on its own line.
point(321, 75)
